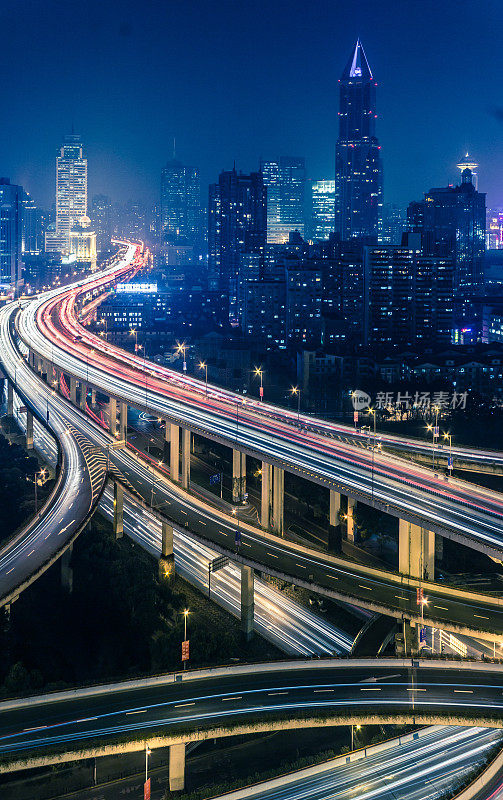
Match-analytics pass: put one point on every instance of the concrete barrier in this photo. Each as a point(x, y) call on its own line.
point(479, 784)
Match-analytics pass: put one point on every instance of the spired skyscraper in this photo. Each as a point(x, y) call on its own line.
point(358, 168)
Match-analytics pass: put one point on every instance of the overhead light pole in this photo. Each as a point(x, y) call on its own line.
point(204, 365)
point(260, 373)
point(296, 392)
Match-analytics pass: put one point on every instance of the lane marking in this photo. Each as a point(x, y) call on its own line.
point(237, 697)
point(319, 691)
point(273, 694)
point(480, 617)
point(271, 554)
point(364, 587)
point(463, 691)
point(442, 608)
point(141, 711)
point(183, 705)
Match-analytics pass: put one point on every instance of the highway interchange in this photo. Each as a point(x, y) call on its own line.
point(151, 483)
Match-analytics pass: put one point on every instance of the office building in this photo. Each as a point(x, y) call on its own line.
point(180, 207)
point(101, 216)
point(358, 169)
point(33, 227)
point(285, 181)
point(264, 314)
point(83, 243)
point(304, 291)
point(71, 194)
point(452, 223)
point(392, 224)
point(11, 225)
point(237, 224)
point(322, 209)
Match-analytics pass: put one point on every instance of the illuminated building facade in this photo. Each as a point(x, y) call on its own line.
point(322, 209)
point(71, 194)
point(11, 216)
point(358, 168)
point(285, 181)
point(237, 224)
point(101, 215)
point(82, 242)
point(180, 202)
point(452, 222)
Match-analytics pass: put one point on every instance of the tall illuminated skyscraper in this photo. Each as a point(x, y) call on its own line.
point(322, 209)
point(71, 194)
point(285, 181)
point(358, 168)
point(180, 202)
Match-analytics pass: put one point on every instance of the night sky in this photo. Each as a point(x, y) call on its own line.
point(243, 80)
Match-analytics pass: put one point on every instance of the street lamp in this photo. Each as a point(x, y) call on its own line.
point(204, 365)
point(181, 348)
point(260, 373)
point(373, 412)
point(134, 332)
point(148, 752)
point(434, 430)
point(295, 391)
point(450, 463)
point(185, 615)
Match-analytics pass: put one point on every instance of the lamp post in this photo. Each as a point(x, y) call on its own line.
point(134, 332)
point(296, 392)
point(148, 752)
point(185, 615)
point(450, 463)
point(181, 348)
point(204, 365)
point(260, 373)
point(434, 430)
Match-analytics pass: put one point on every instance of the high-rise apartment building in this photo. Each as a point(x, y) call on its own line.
point(71, 194)
point(101, 216)
point(358, 169)
point(452, 222)
point(408, 297)
point(11, 224)
point(285, 181)
point(180, 203)
point(237, 224)
point(322, 209)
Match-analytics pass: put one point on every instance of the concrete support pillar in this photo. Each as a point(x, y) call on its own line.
point(174, 452)
point(93, 397)
point(247, 601)
point(66, 570)
point(278, 500)
point(118, 510)
point(167, 430)
point(29, 430)
point(350, 523)
point(123, 421)
point(176, 767)
point(416, 551)
point(334, 525)
point(112, 413)
point(10, 399)
point(83, 396)
point(166, 561)
point(266, 501)
point(73, 390)
point(238, 476)
point(186, 442)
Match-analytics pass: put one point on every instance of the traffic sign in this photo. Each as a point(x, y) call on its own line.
point(146, 790)
point(218, 563)
point(436, 431)
point(237, 538)
point(185, 650)
point(450, 462)
point(355, 416)
point(422, 636)
point(261, 391)
point(419, 596)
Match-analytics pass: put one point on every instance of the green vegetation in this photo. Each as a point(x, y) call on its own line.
point(119, 622)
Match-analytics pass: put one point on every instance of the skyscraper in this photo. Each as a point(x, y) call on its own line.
point(237, 224)
point(322, 209)
point(101, 215)
point(452, 221)
point(33, 227)
point(285, 181)
point(11, 216)
point(358, 169)
point(71, 194)
point(180, 202)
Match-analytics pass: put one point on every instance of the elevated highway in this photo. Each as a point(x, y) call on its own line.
point(178, 708)
point(415, 495)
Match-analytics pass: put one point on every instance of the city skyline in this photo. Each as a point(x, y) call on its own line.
point(423, 132)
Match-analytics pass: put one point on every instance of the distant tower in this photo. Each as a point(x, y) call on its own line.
point(358, 169)
point(467, 162)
